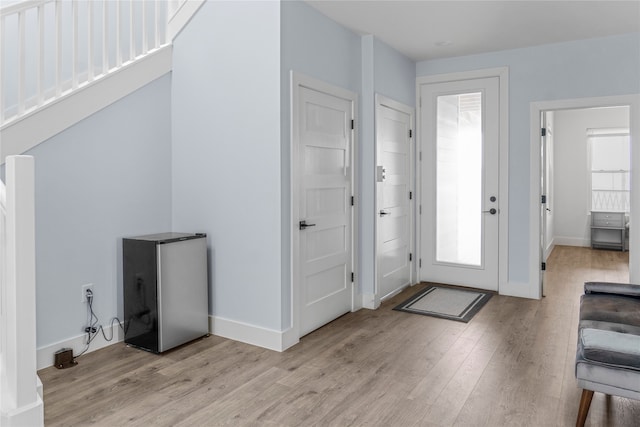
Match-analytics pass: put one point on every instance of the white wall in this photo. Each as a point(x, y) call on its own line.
point(579, 69)
point(571, 183)
point(226, 154)
point(107, 177)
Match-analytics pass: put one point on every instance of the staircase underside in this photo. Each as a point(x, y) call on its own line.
point(19, 136)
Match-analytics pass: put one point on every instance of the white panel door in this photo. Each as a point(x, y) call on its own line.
point(459, 181)
point(394, 196)
point(325, 217)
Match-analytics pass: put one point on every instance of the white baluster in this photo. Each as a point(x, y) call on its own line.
point(90, 41)
point(58, 29)
point(21, 61)
point(40, 84)
point(105, 37)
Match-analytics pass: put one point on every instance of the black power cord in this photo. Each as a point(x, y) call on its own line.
point(94, 326)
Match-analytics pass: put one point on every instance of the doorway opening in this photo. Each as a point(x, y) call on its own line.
point(583, 192)
point(585, 177)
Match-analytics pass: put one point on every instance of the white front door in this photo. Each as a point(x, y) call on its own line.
point(394, 195)
point(323, 224)
point(459, 181)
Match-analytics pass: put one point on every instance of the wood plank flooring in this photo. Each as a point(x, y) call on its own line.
point(512, 365)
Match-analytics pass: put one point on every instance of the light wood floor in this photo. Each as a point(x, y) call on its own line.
point(512, 365)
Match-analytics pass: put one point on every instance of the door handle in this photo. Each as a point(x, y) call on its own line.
point(383, 213)
point(492, 211)
point(303, 224)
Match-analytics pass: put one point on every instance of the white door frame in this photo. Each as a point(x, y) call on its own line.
point(381, 100)
point(536, 108)
point(503, 175)
point(299, 80)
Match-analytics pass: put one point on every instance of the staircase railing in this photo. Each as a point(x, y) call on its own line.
point(20, 401)
point(48, 48)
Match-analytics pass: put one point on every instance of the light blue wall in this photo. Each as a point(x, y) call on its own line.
point(314, 45)
point(580, 69)
point(395, 74)
point(226, 153)
point(318, 47)
point(107, 177)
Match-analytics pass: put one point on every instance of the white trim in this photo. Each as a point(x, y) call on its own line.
point(383, 101)
point(571, 241)
point(45, 354)
point(550, 248)
point(503, 228)
point(31, 129)
point(28, 415)
point(299, 80)
point(182, 16)
point(370, 301)
point(20, 403)
point(226, 328)
point(252, 334)
point(536, 108)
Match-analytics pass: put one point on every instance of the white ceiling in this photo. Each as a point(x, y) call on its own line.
point(425, 29)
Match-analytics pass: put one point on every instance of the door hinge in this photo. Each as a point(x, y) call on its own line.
point(410, 133)
point(410, 257)
point(543, 267)
point(543, 198)
point(353, 124)
point(420, 210)
point(543, 131)
point(353, 202)
point(420, 156)
point(420, 263)
point(353, 276)
point(410, 195)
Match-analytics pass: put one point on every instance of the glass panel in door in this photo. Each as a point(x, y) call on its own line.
point(459, 179)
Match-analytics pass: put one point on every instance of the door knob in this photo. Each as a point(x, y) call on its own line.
point(492, 211)
point(303, 224)
point(383, 213)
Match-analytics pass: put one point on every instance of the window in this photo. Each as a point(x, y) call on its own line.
point(609, 158)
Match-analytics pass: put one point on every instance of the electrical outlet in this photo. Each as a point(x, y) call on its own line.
point(85, 288)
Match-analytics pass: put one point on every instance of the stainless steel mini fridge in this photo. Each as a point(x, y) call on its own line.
point(165, 290)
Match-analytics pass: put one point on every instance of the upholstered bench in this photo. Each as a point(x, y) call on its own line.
point(608, 356)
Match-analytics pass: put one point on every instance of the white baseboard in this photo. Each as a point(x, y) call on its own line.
point(370, 301)
point(549, 248)
point(27, 415)
point(252, 334)
point(45, 355)
point(226, 328)
point(571, 241)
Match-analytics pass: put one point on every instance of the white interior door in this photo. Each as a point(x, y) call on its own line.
point(545, 198)
point(324, 209)
point(394, 196)
point(460, 182)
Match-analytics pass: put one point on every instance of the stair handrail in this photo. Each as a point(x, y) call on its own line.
point(70, 45)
